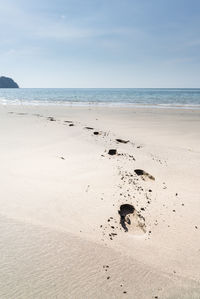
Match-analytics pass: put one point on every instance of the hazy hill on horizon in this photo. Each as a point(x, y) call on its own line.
point(6, 82)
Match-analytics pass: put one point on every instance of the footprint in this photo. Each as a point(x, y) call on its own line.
point(96, 133)
point(131, 220)
point(89, 128)
point(112, 152)
point(145, 175)
point(121, 140)
point(68, 121)
point(50, 118)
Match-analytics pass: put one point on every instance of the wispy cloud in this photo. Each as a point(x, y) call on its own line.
point(63, 32)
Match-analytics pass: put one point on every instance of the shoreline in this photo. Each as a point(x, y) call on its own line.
point(25, 103)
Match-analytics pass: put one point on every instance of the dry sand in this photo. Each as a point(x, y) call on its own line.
point(61, 193)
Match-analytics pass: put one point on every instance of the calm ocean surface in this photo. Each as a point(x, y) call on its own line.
point(169, 98)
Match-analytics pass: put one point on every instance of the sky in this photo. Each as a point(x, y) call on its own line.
point(100, 43)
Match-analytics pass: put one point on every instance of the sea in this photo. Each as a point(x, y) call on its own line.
point(184, 98)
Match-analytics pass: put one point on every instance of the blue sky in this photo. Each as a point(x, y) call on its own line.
point(101, 43)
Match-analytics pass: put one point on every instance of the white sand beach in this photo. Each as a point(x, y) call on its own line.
point(62, 235)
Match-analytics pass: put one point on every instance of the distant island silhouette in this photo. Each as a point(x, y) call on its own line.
point(6, 82)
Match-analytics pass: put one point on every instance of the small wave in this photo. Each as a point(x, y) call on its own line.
point(98, 104)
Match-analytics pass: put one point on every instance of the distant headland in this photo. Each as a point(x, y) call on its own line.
point(6, 82)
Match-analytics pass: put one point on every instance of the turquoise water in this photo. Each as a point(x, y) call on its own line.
point(184, 98)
